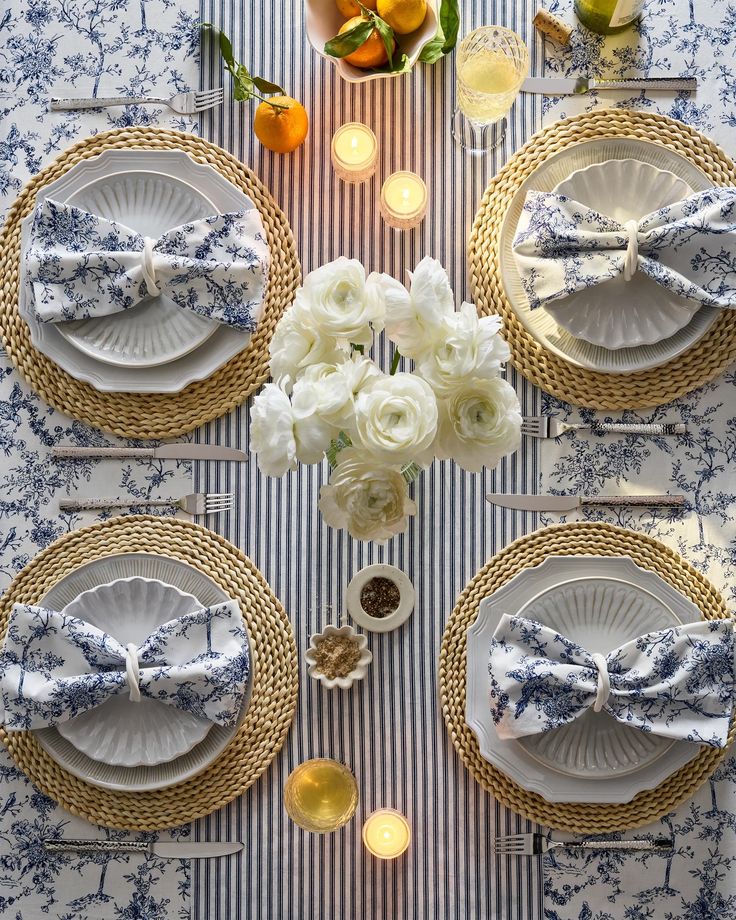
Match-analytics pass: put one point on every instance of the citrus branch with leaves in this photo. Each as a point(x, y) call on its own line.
point(244, 84)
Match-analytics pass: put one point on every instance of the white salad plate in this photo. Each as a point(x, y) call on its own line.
point(121, 731)
point(620, 313)
point(213, 344)
point(601, 603)
point(323, 21)
point(185, 578)
point(540, 323)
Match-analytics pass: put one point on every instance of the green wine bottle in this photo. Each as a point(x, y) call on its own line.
point(608, 16)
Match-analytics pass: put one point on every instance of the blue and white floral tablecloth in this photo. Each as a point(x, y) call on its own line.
point(389, 730)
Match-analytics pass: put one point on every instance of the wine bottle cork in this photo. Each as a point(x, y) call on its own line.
point(551, 25)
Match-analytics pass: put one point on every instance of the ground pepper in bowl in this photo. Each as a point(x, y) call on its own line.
point(380, 597)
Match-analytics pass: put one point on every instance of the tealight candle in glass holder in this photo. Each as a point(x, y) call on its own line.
point(354, 152)
point(403, 200)
point(386, 833)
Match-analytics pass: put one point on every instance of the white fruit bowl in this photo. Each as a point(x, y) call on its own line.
point(324, 21)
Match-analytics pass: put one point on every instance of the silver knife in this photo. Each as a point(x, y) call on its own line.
point(205, 849)
point(182, 451)
point(573, 86)
point(571, 502)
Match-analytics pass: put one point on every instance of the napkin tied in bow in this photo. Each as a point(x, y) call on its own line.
point(689, 247)
point(677, 682)
point(83, 266)
point(54, 667)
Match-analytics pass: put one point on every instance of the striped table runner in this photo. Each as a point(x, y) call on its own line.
point(388, 729)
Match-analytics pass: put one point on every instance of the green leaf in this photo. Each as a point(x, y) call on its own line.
point(347, 42)
point(401, 64)
point(387, 34)
point(242, 83)
point(226, 50)
point(266, 87)
point(449, 23)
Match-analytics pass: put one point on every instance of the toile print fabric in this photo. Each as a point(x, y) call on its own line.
point(689, 247)
point(54, 667)
point(82, 266)
point(676, 683)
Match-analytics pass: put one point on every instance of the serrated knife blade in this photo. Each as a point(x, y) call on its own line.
point(574, 86)
point(571, 502)
point(166, 849)
point(181, 451)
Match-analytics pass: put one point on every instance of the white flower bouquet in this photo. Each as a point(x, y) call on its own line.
point(380, 429)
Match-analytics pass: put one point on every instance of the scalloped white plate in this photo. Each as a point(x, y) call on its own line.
point(156, 331)
point(137, 779)
point(171, 377)
point(591, 766)
point(619, 313)
point(120, 731)
point(540, 324)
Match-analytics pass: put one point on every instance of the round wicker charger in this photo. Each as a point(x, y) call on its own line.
point(275, 674)
point(149, 415)
point(704, 361)
point(577, 539)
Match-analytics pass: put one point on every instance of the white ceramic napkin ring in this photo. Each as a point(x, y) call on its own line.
point(132, 671)
point(604, 683)
point(149, 272)
point(632, 250)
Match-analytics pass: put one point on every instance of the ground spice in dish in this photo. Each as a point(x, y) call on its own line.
point(336, 656)
point(380, 597)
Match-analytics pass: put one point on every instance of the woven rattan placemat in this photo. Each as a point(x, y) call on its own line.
point(275, 674)
point(578, 539)
point(701, 363)
point(149, 415)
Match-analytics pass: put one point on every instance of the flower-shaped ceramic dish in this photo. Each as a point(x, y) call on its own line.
point(400, 614)
point(358, 672)
point(324, 21)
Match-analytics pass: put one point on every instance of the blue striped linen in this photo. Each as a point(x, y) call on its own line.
point(388, 729)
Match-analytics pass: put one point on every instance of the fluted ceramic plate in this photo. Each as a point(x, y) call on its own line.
point(120, 731)
point(155, 331)
point(177, 170)
point(114, 776)
point(540, 323)
point(619, 313)
point(600, 602)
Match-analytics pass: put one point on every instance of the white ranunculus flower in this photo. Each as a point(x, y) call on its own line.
point(469, 347)
point(479, 424)
point(280, 434)
point(272, 431)
point(297, 343)
point(396, 418)
point(343, 306)
point(369, 499)
point(414, 318)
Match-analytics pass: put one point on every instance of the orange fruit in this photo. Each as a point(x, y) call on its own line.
point(404, 16)
point(349, 8)
point(281, 129)
point(372, 53)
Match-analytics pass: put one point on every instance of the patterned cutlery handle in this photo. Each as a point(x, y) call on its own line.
point(654, 429)
point(96, 846)
point(88, 453)
point(689, 84)
point(56, 105)
point(101, 504)
point(660, 843)
point(641, 501)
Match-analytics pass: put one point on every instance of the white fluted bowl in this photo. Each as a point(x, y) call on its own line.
point(358, 672)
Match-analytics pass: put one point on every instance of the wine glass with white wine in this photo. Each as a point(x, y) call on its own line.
point(492, 63)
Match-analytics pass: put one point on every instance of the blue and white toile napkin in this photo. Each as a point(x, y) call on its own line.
point(82, 266)
point(677, 682)
point(54, 667)
point(689, 247)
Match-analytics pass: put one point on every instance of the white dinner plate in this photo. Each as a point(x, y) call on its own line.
point(155, 331)
point(540, 323)
point(135, 779)
point(225, 341)
point(593, 761)
point(121, 731)
point(620, 313)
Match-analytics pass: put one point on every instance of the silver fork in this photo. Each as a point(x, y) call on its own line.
point(181, 103)
point(537, 844)
point(194, 504)
point(545, 426)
